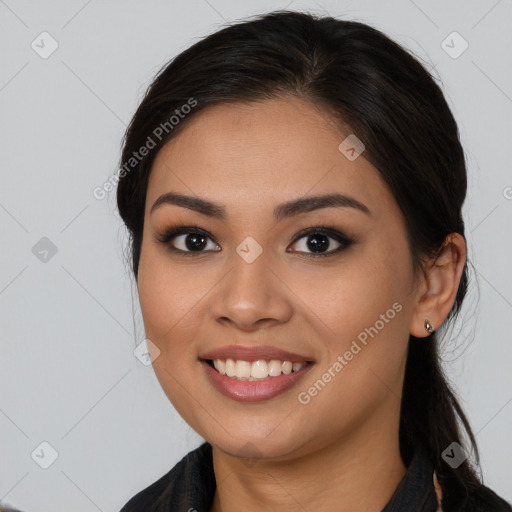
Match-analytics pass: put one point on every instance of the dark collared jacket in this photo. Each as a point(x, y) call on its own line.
point(190, 487)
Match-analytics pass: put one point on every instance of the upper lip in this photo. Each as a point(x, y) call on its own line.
point(253, 353)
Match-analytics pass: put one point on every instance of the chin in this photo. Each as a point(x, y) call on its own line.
point(255, 448)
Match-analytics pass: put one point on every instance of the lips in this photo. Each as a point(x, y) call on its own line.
point(254, 373)
point(242, 353)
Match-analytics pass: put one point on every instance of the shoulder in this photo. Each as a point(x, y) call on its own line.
point(485, 500)
point(190, 483)
point(481, 500)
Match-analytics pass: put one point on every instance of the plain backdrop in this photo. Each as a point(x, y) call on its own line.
point(69, 316)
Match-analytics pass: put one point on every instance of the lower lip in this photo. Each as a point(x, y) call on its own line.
point(253, 391)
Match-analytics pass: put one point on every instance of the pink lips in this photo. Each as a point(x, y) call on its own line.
point(253, 391)
point(239, 352)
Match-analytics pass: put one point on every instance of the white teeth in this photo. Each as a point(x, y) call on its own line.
point(220, 366)
point(230, 368)
point(274, 368)
point(287, 367)
point(257, 370)
point(243, 369)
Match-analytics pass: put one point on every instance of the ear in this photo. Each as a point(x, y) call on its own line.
point(437, 287)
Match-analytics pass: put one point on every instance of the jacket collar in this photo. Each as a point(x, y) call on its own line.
point(191, 485)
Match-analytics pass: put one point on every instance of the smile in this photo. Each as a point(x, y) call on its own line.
point(251, 374)
point(255, 370)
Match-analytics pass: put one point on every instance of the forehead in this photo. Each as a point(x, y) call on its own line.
point(271, 150)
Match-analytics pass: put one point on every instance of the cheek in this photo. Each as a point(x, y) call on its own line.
point(168, 293)
point(366, 306)
point(166, 298)
point(357, 294)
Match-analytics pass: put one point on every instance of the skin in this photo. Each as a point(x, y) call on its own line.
point(342, 446)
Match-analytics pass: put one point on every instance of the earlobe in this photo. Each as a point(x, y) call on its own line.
point(428, 326)
point(440, 283)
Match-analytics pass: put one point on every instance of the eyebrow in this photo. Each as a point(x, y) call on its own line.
point(282, 211)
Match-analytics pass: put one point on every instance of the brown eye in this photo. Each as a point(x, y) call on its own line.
point(321, 241)
point(188, 240)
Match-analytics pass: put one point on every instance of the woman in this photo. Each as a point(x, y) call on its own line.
point(293, 187)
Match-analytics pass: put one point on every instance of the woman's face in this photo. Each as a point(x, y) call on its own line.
point(249, 287)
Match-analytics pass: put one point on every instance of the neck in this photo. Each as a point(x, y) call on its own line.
point(360, 473)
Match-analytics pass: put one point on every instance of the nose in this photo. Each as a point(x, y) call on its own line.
point(251, 296)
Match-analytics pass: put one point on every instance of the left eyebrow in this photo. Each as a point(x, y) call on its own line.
point(282, 211)
point(310, 203)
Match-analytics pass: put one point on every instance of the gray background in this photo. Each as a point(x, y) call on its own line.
point(68, 373)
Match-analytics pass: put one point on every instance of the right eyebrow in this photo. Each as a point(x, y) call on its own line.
point(197, 204)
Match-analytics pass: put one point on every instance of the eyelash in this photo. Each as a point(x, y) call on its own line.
point(330, 231)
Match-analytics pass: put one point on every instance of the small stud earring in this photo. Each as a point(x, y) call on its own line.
point(429, 327)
